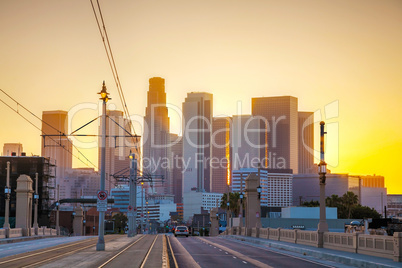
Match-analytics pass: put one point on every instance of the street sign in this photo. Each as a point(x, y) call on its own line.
point(130, 208)
point(101, 204)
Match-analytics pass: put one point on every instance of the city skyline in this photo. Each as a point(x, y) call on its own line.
point(319, 52)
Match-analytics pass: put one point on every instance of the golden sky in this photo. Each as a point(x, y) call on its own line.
point(348, 52)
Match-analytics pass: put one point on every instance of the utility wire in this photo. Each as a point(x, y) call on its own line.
point(112, 64)
point(61, 134)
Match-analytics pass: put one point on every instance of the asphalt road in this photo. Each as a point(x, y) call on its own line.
point(218, 252)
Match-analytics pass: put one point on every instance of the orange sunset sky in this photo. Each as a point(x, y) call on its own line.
point(345, 54)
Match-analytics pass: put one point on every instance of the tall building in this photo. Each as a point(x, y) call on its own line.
point(306, 142)
point(58, 148)
point(276, 184)
point(117, 147)
point(156, 134)
point(221, 155)
point(281, 118)
point(248, 142)
point(197, 118)
point(176, 166)
point(79, 182)
point(12, 149)
point(29, 165)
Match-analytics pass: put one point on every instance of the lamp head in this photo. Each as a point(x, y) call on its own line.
point(104, 94)
point(259, 189)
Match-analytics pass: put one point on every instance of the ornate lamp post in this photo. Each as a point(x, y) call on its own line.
point(7, 192)
point(259, 190)
point(322, 171)
point(36, 197)
point(104, 97)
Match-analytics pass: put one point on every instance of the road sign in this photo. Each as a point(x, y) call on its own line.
point(101, 204)
point(130, 208)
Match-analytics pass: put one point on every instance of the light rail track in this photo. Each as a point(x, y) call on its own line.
point(37, 257)
point(141, 249)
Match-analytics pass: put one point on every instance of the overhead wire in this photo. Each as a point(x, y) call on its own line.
point(112, 64)
point(60, 133)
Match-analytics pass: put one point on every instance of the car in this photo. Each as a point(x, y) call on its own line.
point(181, 230)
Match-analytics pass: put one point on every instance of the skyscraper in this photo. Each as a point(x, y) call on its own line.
point(156, 134)
point(281, 117)
point(306, 142)
point(248, 142)
point(57, 148)
point(176, 166)
point(117, 147)
point(221, 155)
point(197, 118)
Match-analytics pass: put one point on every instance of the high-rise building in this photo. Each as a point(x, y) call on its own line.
point(156, 134)
point(58, 147)
point(12, 149)
point(281, 118)
point(176, 166)
point(276, 185)
point(306, 142)
point(118, 147)
point(221, 155)
point(79, 182)
point(197, 118)
point(248, 142)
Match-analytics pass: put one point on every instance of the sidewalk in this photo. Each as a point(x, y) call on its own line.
point(24, 238)
point(346, 258)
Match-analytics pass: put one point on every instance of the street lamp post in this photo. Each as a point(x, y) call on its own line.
point(241, 201)
point(7, 192)
point(142, 207)
point(322, 171)
point(132, 218)
point(104, 97)
point(57, 211)
point(36, 197)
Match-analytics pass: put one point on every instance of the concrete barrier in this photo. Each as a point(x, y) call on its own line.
point(376, 245)
point(308, 238)
point(16, 232)
point(341, 241)
point(274, 234)
point(287, 235)
point(389, 247)
point(264, 233)
point(2, 233)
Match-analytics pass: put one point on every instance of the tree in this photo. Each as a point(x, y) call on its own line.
point(233, 202)
point(362, 212)
point(349, 200)
point(312, 203)
point(120, 222)
point(337, 202)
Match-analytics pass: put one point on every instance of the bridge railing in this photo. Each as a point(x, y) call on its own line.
point(374, 245)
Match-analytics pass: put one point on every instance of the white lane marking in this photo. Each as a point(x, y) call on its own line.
point(214, 247)
point(234, 257)
point(226, 253)
point(244, 262)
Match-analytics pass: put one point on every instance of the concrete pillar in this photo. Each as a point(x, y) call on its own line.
point(78, 221)
point(253, 208)
point(214, 222)
point(24, 192)
point(398, 247)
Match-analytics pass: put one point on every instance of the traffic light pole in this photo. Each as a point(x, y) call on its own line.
point(132, 209)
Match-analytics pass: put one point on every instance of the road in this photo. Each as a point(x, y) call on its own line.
point(218, 252)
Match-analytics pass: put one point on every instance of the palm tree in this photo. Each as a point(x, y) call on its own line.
point(350, 200)
point(233, 202)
